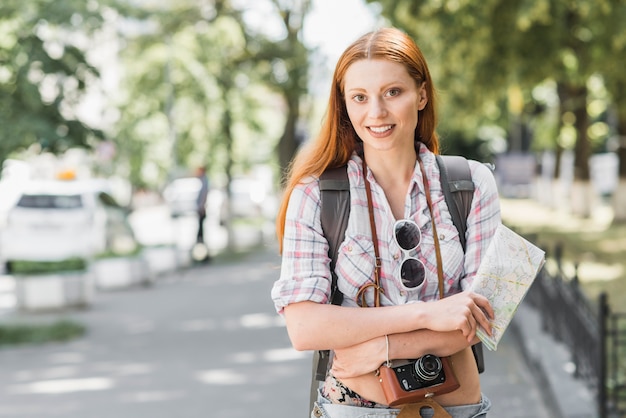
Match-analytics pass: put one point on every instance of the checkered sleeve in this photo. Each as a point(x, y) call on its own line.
point(305, 268)
point(482, 221)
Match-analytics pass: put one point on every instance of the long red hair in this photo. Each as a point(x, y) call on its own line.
point(337, 139)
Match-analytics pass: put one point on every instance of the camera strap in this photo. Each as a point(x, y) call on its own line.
point(376, 284)
point(414, 410)
point(429, 203)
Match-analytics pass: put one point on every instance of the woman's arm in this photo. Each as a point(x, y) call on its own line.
point(366, 357)
point(314, 326)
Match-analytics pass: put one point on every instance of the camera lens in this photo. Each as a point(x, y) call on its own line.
point(428, 367)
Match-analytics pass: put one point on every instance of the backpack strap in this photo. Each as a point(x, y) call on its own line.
point(334, 214)
point(458, 191)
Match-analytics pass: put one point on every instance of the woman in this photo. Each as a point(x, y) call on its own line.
point(381, 121)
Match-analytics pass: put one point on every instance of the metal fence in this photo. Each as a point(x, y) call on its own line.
point(594, 335)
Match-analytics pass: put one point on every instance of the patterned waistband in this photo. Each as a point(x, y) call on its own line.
point(337, 393)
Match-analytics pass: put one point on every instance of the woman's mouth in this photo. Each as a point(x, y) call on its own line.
point(380, 129)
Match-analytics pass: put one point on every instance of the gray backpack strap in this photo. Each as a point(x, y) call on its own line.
point(335, 210)
point(458, 190)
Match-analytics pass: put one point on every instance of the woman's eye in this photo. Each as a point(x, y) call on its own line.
point(393, 92)
point(358, 98)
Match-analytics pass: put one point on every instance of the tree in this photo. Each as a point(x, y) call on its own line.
point(289, 73)
point(44, 73)
point(486, 48)
point(609, 60)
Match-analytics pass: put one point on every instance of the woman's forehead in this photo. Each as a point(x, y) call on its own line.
point(372, 72)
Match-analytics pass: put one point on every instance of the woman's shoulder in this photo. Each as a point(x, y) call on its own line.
point(483, 178)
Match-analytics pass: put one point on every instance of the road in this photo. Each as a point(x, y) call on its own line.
point(201, 342)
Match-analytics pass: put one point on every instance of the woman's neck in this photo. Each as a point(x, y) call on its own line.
point(393, 173)
point(391, 167)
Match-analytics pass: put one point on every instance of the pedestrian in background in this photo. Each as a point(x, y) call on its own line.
point(400, 247)
point(201, 202)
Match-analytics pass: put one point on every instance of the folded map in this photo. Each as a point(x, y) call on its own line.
point(505, 274)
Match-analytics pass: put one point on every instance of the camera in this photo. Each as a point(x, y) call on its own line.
point(407, 381)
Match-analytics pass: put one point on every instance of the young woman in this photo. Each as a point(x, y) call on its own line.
point(381, 122)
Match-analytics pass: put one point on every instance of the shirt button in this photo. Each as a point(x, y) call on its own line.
point(396, 256)
point(442, 237)
point(402, 293)
point(349, 248)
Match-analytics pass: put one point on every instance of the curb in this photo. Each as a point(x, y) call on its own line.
point(550, 364)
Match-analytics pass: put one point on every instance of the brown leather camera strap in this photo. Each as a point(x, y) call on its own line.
point(414, 410)
point(429, 202)
point(376, 284)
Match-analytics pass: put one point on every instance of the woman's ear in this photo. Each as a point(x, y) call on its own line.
point(423, 97)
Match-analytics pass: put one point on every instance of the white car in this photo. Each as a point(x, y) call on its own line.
point(58, 220)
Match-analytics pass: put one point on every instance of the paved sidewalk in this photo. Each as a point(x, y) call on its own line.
point(548, 361)
point(148, 342)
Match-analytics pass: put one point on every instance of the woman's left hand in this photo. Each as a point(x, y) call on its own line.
point(359, 359)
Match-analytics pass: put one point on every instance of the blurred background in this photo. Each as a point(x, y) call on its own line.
point(142, 93)
point(108, 108)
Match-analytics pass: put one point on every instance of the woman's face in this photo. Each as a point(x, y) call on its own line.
point(383, 102)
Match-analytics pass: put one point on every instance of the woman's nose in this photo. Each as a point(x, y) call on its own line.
point(377, 108)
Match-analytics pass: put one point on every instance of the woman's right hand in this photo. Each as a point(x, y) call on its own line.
point(465, 312)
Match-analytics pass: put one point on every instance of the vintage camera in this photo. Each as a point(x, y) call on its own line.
point(407, 381)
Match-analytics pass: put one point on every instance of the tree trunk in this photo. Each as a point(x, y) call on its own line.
point(619, 195)
point(574, 100)
point(289, 142)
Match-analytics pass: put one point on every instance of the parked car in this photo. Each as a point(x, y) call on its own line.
point(58, 220)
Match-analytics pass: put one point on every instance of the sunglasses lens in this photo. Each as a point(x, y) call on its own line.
point(412, 273)
point(408, 235)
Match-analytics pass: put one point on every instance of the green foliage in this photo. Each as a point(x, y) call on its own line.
point(478, 51)
point(62, 330)
point(43, 73)
point(23, 267)
point(194, 95)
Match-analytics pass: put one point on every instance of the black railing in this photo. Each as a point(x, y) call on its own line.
point(616, 362)
point(595, 336)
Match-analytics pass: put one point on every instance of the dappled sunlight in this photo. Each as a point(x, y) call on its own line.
point(249, 321)
point(261, 320)
point(283, 354)
point(591, 271)
point(276, 355)
point(152, 396)
point(60, 386)
point(222, 377)
point(195, 325)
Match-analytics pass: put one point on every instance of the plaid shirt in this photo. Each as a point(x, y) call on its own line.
point(305, 271)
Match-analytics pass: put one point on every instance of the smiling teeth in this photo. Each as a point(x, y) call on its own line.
point(381, 129)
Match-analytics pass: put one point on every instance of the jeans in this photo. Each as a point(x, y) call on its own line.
point(324, 409)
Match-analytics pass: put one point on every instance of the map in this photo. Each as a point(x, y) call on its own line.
point(505, 274)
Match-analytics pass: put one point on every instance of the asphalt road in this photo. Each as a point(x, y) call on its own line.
point(201, 343)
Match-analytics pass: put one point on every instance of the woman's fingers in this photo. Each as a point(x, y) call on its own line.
point(467, 311)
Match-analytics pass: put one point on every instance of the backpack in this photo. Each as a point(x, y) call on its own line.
point(458, 190)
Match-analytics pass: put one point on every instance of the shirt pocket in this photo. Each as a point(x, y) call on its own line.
point(355, 266)
point(451, 253)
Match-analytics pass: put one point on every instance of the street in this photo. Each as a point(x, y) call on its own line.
point(202, 342)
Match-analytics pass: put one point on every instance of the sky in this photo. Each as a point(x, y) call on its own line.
point(331, 26)
point(334, 24)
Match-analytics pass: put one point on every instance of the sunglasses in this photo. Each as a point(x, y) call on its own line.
point(408, 237)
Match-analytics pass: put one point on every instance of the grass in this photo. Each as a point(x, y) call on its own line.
point(59, 331)
point(46, 267)
point(592, 248)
